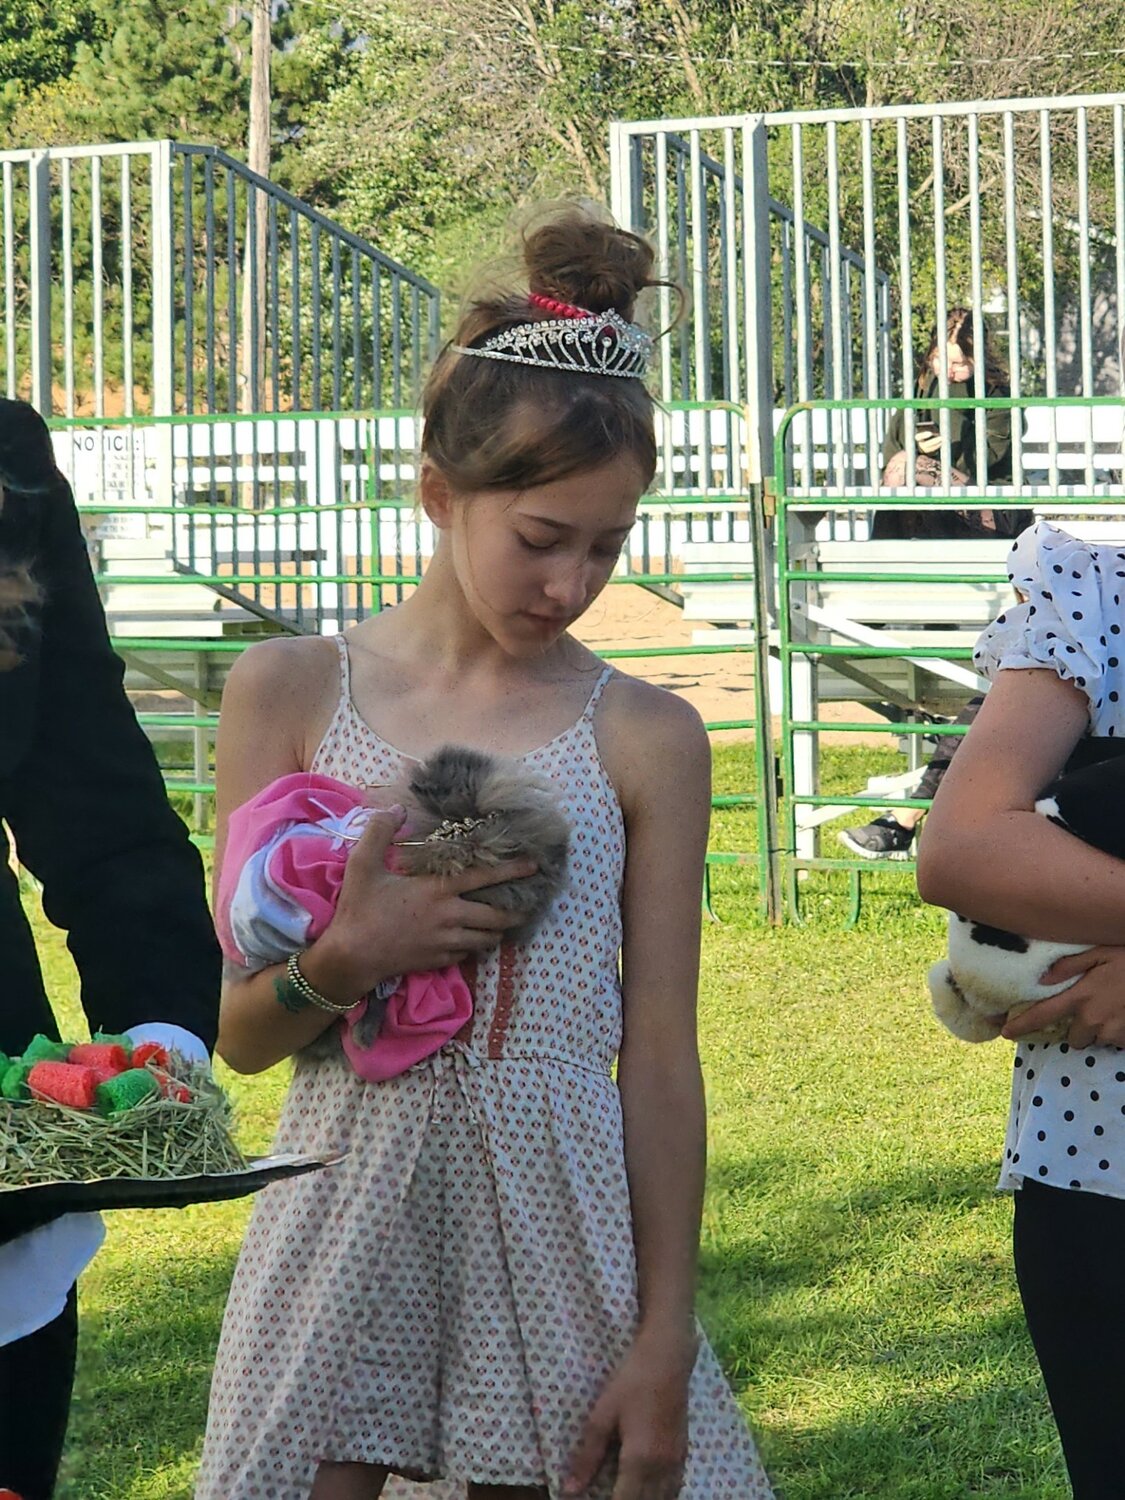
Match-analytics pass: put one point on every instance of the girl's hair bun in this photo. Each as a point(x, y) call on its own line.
point(577, 255)
point(493, 425)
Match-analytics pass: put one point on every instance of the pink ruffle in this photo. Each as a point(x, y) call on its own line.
point(426, 1011)
point(311, 869)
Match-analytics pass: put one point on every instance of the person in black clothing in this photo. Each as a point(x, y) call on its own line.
point(81, 793)
point(892, 835)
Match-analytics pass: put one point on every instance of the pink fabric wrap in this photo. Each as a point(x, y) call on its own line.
point(297, 798)
point(299, 879)
point(426, 1011)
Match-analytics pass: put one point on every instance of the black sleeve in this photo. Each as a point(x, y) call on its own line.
point(998, 430)
point(89, 811)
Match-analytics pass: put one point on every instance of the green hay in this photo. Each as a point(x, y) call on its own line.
point(159, 1139)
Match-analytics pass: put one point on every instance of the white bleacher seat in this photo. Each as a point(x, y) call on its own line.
point(829, 451)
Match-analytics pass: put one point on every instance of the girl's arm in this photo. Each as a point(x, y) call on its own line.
point(987, 854)
point(277, 701)
point(667, 812)
point(659, 757)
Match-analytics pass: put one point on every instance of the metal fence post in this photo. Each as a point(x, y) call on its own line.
point(619, 199)
point(163, 315)
point(758, 336)
point(39, 184)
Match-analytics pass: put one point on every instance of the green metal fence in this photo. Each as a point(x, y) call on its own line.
point(922, 683)
point(263, 553)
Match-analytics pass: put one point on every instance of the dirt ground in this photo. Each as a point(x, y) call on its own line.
point(720, 686)
point(628, 616)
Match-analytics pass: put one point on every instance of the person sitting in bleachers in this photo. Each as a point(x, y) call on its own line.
point(892, 834)
point(995, 467)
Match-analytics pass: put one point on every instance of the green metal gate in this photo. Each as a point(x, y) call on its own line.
point(916, 669)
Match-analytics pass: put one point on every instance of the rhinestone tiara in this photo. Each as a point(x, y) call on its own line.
point(590, 344)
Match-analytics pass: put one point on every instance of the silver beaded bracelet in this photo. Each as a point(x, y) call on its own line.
point(314, 997)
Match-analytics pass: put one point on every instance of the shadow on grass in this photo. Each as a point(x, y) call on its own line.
point(144, 1372)
point(910, 1377)
point(948, 1445)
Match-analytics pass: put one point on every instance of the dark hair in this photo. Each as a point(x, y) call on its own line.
point(959, 331)
point(490, 424)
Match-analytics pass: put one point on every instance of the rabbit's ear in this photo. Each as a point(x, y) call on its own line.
point(449, 782)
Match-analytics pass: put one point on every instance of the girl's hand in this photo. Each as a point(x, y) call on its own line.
point(388, 924)
point(1096, 1003)
point(643, 1412)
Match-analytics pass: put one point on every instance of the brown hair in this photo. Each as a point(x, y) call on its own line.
point(490, 424)
point(17, 590)
point(959, 331)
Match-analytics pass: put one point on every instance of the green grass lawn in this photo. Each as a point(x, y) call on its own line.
point(855, 1271)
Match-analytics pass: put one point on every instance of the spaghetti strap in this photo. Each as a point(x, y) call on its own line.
point(345, 672)
point(595, 696)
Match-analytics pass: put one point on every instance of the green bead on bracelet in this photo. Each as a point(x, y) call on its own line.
point(295, 992)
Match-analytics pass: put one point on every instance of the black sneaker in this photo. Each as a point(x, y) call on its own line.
point(885, 838)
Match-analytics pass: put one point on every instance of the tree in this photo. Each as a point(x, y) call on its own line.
point(38, 43)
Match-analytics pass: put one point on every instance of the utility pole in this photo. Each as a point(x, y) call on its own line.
point(254, 262)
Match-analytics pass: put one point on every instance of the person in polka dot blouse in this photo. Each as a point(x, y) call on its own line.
point(490, 1297)
point(1056, 662)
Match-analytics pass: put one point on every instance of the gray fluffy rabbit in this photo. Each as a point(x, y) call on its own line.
point(465, 810)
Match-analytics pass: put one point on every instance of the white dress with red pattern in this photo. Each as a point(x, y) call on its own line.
point(449, 1301)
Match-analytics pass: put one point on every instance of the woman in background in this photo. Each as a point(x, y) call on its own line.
point(891, 836)
point(995, 466)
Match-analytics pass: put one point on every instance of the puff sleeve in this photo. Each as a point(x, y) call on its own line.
point(1070, 622)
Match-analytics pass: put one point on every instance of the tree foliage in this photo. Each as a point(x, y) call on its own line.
point(39, 40)
point(421, 127)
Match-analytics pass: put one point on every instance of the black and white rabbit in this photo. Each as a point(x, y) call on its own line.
point(989, 974)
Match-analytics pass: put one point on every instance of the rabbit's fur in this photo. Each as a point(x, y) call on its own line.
point(522, 819)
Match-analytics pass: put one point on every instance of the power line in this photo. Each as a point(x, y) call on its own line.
point(359, 14)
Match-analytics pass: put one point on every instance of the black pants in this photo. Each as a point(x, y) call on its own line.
point(1068, 1252)
point(946, 749)
point(36, 1376)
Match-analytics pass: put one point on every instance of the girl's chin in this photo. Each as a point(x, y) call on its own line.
point(525, 635)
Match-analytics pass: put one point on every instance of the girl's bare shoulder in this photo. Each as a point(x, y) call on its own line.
point(294, 680)
point(651, 740)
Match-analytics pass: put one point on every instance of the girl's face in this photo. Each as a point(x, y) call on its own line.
point(959, 364)
point(531, 562)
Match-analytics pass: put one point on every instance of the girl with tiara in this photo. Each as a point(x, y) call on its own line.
point(490, 1298)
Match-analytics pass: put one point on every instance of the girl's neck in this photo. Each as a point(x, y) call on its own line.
point(435, 629)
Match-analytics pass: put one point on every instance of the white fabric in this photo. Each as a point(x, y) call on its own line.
point(38, 1269)
point(266, 920)
point(1072, 621)
point(1066, 1127)
point(175, 1038)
